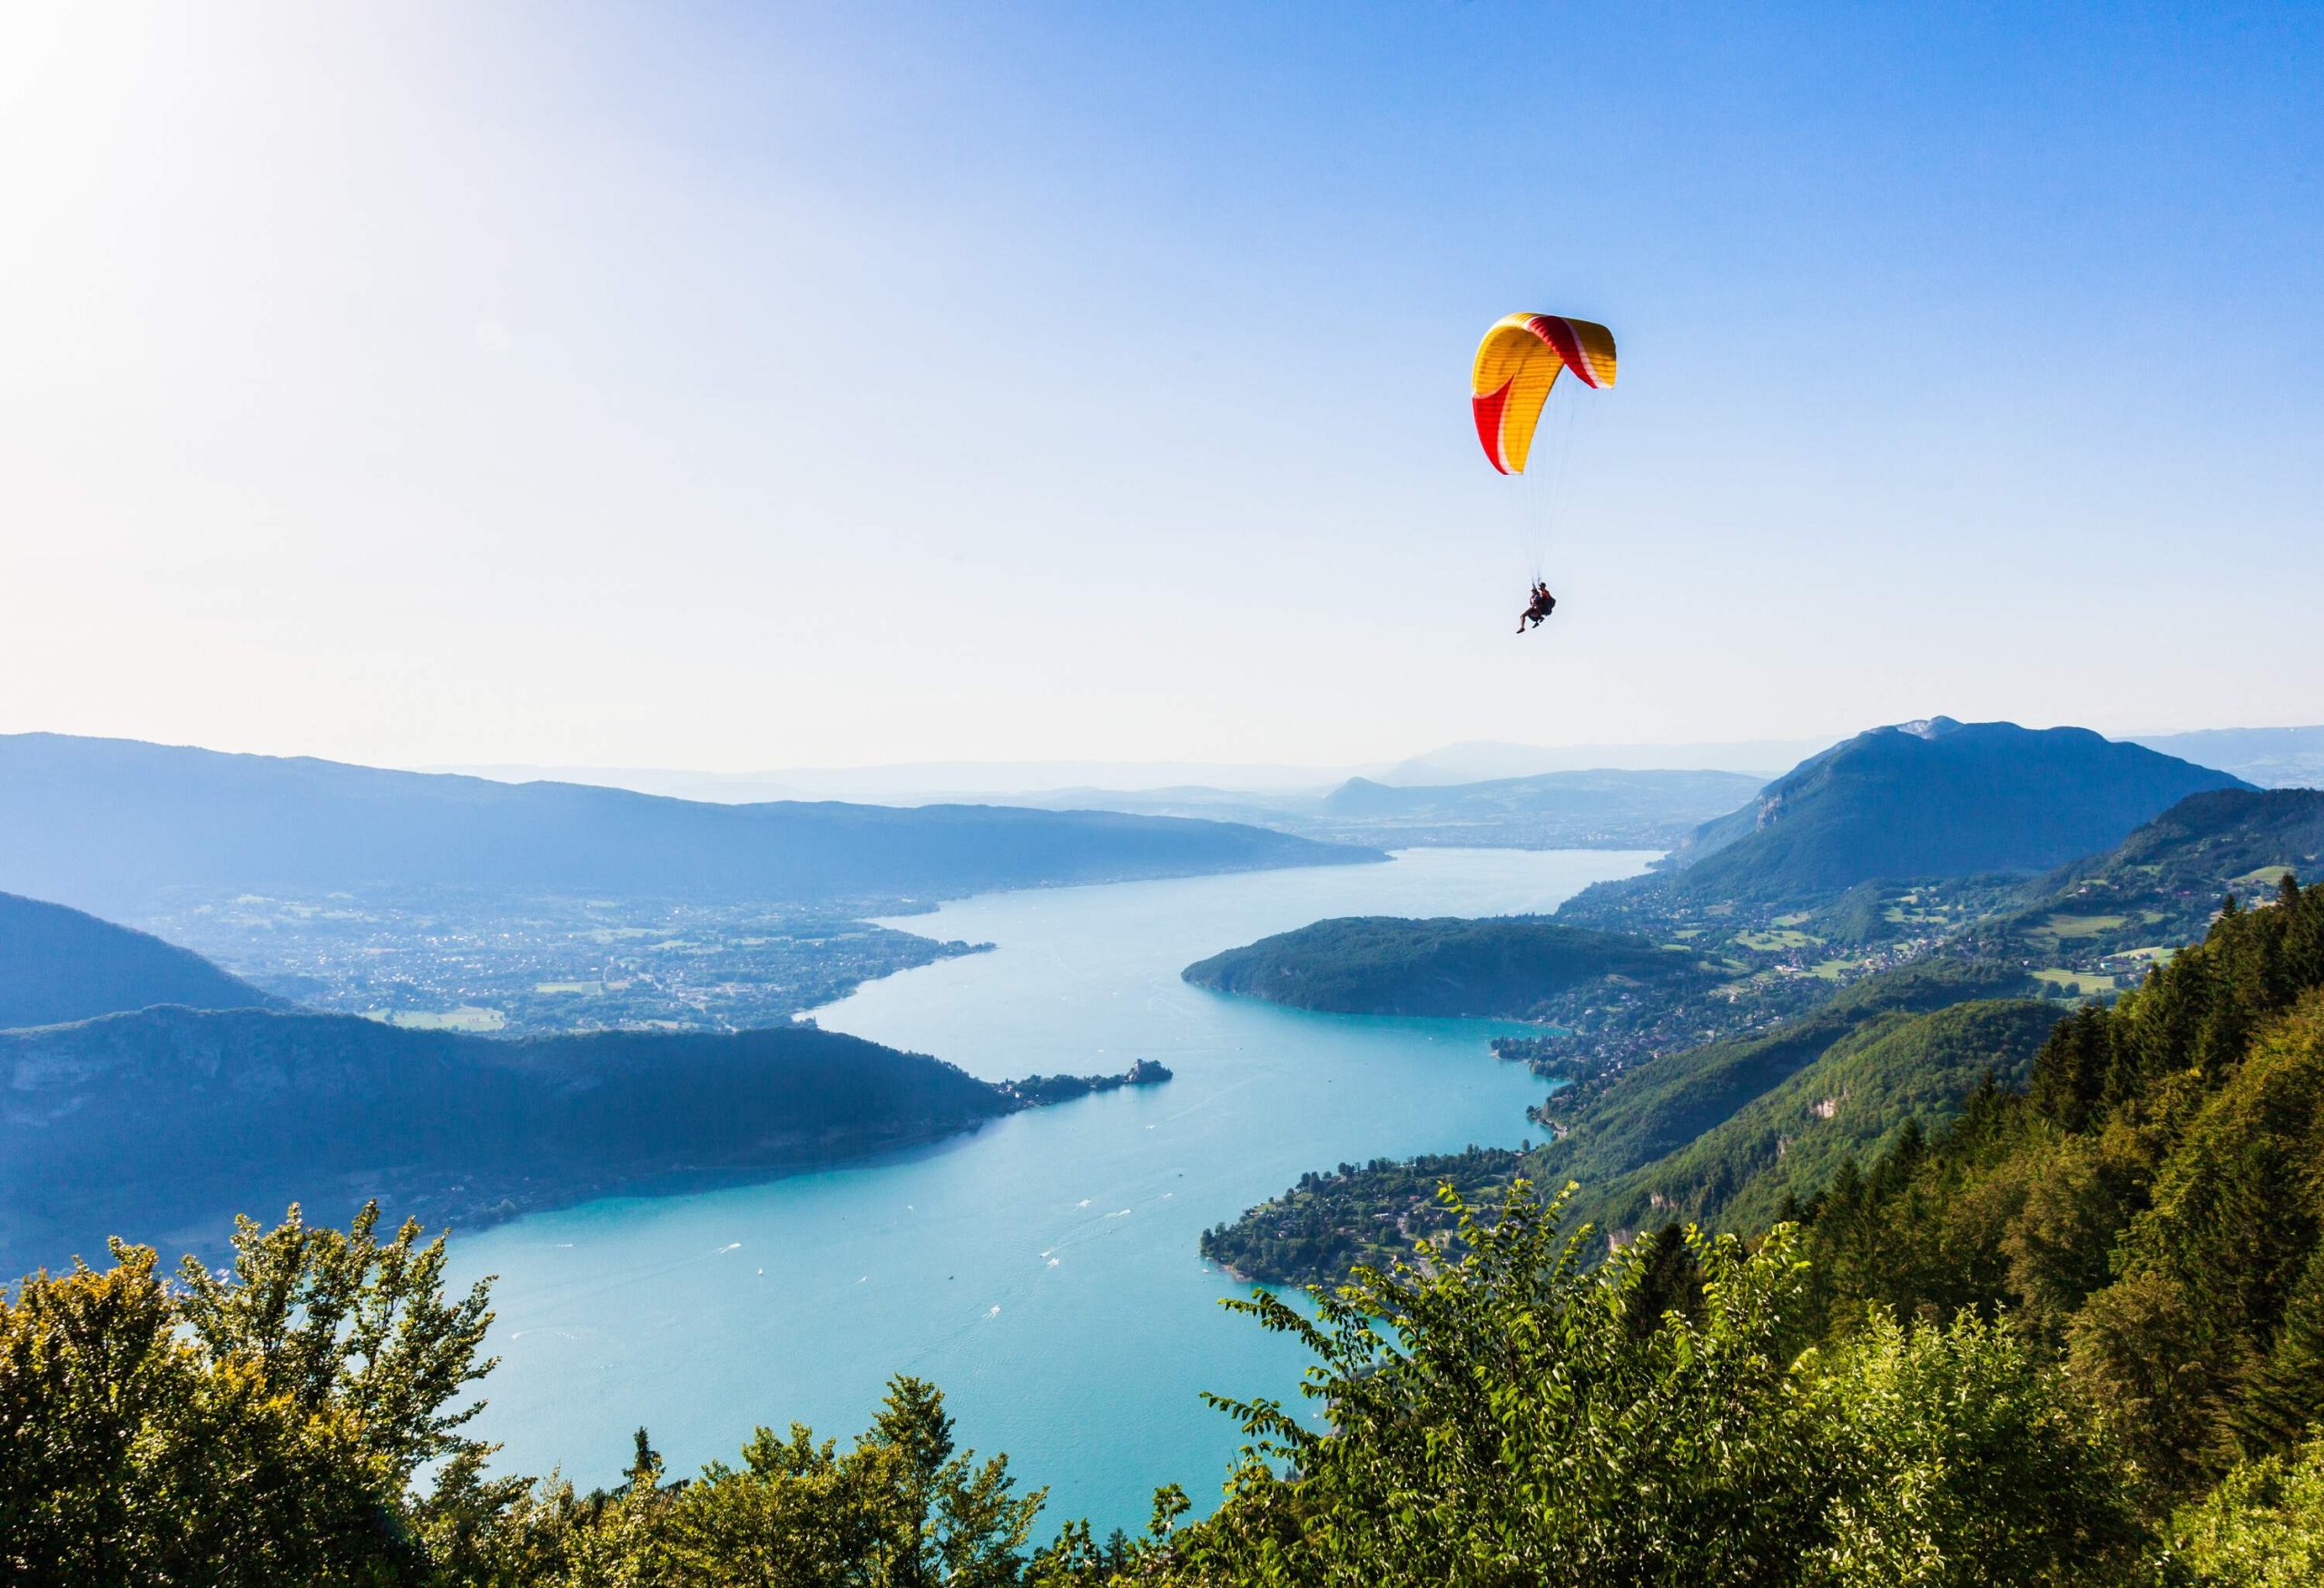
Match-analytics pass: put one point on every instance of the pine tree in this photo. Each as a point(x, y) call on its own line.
point(2283, 1401)
point(645, 1467)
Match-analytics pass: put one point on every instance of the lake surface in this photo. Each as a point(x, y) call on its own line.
point(1043, 1270)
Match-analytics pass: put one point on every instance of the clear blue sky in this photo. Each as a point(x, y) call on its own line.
point(734, 387)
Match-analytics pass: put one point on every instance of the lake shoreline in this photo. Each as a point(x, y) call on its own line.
point(1049, 1261)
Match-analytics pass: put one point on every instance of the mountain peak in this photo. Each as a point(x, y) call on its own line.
point(1940, 798)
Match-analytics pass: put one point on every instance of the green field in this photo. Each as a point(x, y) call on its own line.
point(2080, 983)
point(2069, 926)
point(1778, 941)
point(468, 1017)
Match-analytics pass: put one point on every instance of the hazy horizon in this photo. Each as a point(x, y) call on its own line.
point(734, 389)
point(2255, 752)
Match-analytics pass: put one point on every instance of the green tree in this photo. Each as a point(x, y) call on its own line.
point(139, 1454)
point(95, 1399)
point(1514, 1418)
point(2262, 1527)
point(1965, 1463)
point(337, 1322)
point(1498, 1414)
point(2285, 1402)
point(902, 1509)
point(958, 1523)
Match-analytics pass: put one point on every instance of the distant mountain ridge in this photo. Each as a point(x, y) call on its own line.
point(1490, 760)
point(104, 824)
point(2271, 757)
point(59, 964)
point(1602, 793)
point(1592, 808)
point(1937, 798)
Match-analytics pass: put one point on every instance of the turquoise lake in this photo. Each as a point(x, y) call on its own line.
point(1043, 1270)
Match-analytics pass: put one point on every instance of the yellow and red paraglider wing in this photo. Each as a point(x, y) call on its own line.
point(1517, 363)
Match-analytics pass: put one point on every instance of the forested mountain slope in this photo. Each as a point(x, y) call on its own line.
point(2152, 1204)
point(1724, 1131)
point(107, 823)
point(1893, 1074)
point(59, 964)
point(1697, 1125)
point(1617, 1123)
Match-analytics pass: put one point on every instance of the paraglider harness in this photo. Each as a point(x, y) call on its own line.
point(1538, 608)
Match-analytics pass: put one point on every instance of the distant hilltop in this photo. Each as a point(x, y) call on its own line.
point(1938, 798)
point(2271, 757)
point(57, 965)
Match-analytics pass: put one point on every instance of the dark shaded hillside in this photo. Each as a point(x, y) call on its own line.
point(106, 823)
point(57, 965)
point(178, 1115)
point(1378, 964)
point(1937, 799)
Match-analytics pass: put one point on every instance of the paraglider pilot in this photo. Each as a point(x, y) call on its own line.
point(1539, 606)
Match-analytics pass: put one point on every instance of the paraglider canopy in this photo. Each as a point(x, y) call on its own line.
point(1517, 363)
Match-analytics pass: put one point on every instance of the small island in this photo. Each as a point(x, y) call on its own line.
point(1518, 967)
point(1036, 1091)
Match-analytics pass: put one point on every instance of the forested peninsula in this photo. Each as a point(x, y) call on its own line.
point(1512, 968)
point(167, 1113)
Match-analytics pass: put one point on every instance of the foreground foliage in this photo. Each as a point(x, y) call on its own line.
point(259, 1428)
point(295, 1420)
point(1514, 1417)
